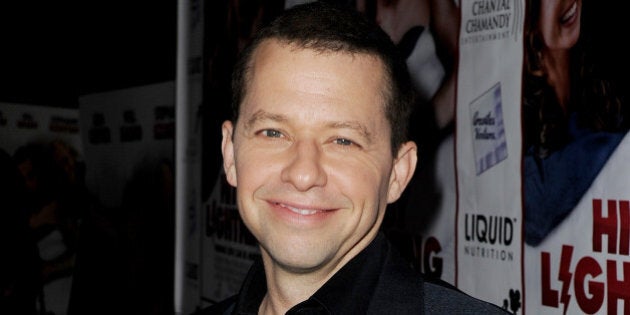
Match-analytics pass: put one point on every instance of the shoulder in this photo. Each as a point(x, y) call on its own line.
point(443, 298)
point(224, 307)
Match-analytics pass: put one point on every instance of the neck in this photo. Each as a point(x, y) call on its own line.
point(287, 288)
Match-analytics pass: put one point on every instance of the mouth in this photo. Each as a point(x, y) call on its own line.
point(570, 14)
point(300, 210)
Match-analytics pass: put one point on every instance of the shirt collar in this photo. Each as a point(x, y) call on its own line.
point(349, 291)
point(253, 290)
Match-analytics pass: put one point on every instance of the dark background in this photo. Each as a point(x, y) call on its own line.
point(52, 52)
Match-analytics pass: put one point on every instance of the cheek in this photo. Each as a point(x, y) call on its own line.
point(250, 170)
point(547, 23)
point(365, 183)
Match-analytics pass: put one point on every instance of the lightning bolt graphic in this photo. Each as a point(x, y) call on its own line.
point(565, 275)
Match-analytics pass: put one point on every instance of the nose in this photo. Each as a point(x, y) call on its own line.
point(304, 170)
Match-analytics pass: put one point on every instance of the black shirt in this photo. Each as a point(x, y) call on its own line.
point(377, 281)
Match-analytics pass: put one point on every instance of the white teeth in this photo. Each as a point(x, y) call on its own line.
point(570, 13)
point(300, 211)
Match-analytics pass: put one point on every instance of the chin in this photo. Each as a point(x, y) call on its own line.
point(298, 265)
point(300, 260)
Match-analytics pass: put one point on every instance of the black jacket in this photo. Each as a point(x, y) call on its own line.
point(377, 281)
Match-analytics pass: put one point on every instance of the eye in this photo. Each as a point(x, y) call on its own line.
point(344, 142)
point(271, 133)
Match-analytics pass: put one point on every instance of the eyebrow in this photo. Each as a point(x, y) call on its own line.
point(262, 115)
point(353, 125)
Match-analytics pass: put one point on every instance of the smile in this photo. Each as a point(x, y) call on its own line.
point(298, 210)
point(570, 13)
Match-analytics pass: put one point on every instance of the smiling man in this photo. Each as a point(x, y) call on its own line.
point(316, 150)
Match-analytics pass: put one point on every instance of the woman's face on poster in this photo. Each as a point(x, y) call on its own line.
point(559, 22)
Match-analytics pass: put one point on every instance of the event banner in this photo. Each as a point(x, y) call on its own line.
point(21, 124)
point(123, 130)
point(45, 143)
point(488, 152)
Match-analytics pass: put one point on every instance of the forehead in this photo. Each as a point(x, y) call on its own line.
point(309, 89)
point(287, 68)
point(276, 52)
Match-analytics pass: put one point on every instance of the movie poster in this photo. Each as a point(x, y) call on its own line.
point(421, 223)
point(575, 171)
point(228, 249)
point(583, 265)
point(460, 218)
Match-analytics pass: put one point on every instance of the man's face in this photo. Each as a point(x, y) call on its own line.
point(310, 156)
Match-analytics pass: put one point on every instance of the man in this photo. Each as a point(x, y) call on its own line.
point(316, 151)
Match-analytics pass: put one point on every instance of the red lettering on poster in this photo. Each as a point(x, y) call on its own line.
point(624, 229)
point(549, 295)
point(588, 266)
point(618, 289)
point(589, 288)
point(616, 226)
point(604, 226)
point(432, 263)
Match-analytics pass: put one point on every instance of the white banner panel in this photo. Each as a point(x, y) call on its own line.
point(121, 129)
point(21, 124)
point(488, 151)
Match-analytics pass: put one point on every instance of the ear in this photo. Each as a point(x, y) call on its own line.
point(227, 149)
point(402, 170)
